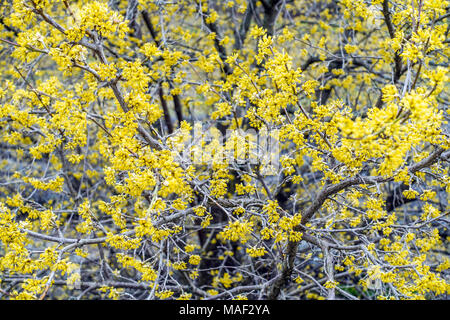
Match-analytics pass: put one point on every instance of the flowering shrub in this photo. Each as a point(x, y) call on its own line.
point(236, 149)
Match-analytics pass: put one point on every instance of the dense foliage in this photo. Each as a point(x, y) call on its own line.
point(235, 149)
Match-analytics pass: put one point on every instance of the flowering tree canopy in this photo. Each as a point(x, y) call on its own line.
point(235, 149)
